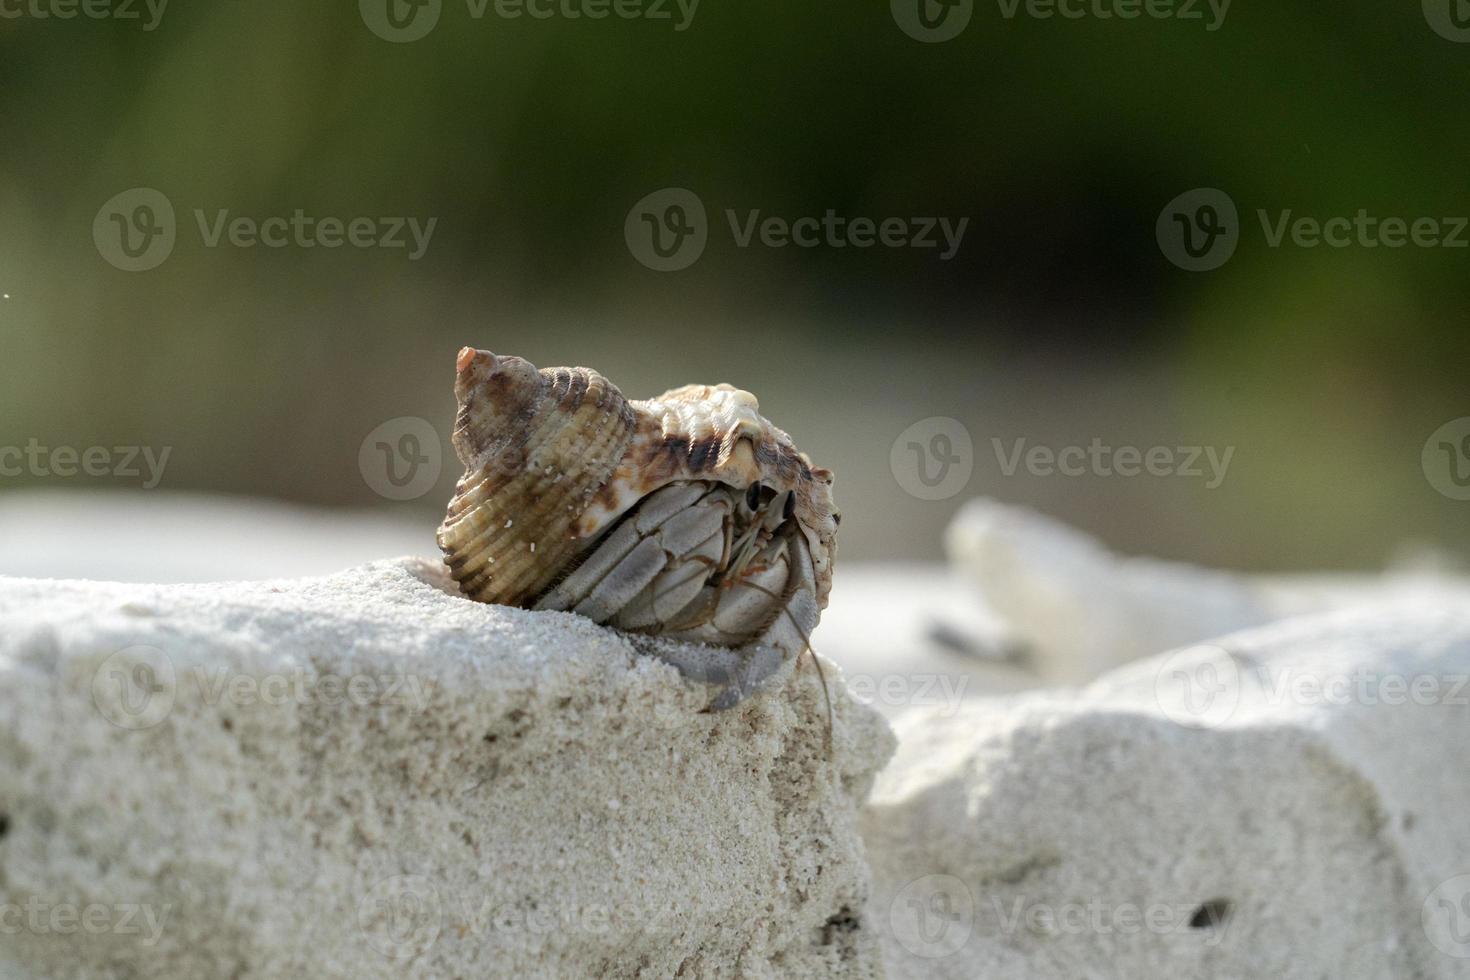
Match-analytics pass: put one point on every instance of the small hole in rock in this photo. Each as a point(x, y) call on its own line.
point(4, 825)
point(842, 923)
point(1210, 915)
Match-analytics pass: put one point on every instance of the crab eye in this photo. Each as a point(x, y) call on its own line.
point(789, 507)
point(753, 496)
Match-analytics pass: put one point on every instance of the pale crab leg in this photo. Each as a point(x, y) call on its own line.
point(677, 536)
point(785, 639)
point(675, 588)
point(749, 595)
point(651, 513)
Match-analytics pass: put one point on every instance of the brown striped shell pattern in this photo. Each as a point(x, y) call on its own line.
point(688, 515)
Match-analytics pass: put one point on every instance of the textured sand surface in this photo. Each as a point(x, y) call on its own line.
point(366, 776)
point(1291, 801)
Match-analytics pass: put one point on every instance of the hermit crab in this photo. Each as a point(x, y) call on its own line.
point(688, 515)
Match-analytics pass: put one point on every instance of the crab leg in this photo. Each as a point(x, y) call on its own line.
point(632, 532)
point(678, 585)
point(785, 639)
point(627, 577)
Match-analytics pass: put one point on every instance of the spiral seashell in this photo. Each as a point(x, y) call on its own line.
point(688, 515)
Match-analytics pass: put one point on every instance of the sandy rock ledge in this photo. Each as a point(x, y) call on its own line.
point(366, 776)
point(1291, 801)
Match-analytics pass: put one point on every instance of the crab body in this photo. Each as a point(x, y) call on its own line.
point(688, 515)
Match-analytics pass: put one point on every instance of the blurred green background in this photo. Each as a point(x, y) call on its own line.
point(1059, 320)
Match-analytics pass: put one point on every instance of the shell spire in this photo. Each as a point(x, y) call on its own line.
point(536, 445)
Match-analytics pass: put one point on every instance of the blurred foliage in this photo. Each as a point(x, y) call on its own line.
point(1059, 319)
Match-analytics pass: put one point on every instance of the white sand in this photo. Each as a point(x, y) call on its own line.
point(1291, 803)
point(486, 792)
